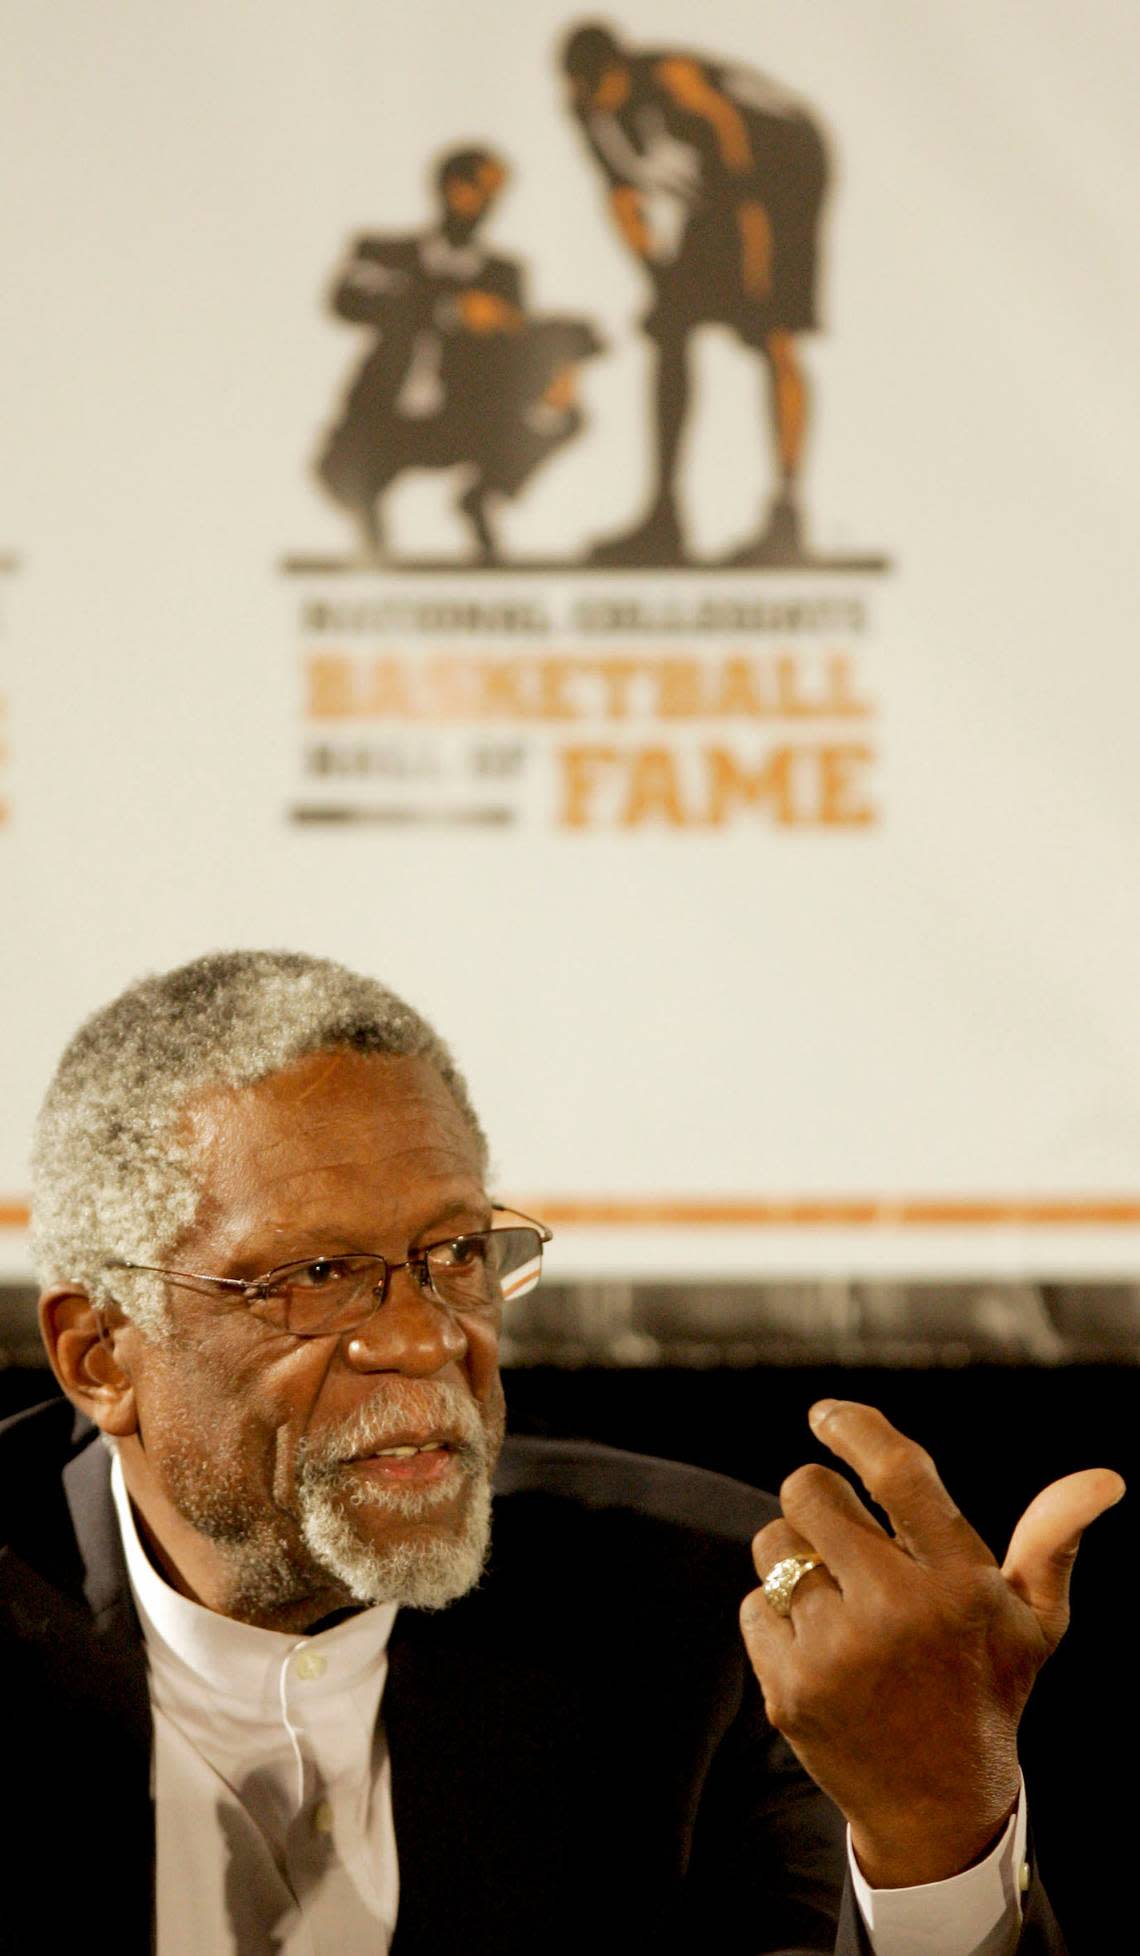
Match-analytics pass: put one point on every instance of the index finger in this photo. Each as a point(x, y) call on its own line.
point(901, 1477)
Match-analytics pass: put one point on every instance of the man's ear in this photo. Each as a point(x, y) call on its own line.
point(86, 1355)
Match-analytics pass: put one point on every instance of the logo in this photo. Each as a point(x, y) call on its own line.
point(479, 701)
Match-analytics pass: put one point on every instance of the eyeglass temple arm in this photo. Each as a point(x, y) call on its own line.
point(185, 1277)
point(506, 1209)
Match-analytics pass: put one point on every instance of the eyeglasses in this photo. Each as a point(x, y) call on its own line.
point(474, 1274)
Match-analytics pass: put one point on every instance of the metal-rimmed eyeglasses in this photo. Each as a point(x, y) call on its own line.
point(475, 1274)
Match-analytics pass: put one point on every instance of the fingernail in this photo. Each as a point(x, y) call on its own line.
point(820, 1411)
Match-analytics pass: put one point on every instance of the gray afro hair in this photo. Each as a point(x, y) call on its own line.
point(112, 1177)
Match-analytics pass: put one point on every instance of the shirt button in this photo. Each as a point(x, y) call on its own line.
point(322, 1818)
point(1023, 1878)
point(310, 1664)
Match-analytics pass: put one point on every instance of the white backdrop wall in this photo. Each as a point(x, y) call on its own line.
point(859, 994)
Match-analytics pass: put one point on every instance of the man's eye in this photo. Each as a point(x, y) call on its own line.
point(462, 1254)
point(317, 1276)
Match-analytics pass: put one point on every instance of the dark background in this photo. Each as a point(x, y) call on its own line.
point(998, 1433)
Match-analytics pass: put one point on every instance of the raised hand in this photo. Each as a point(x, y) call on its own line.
point(902, 1667)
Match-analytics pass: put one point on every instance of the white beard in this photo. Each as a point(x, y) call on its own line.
point(423, 1573)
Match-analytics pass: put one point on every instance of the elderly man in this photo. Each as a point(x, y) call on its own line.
point(239, 1715)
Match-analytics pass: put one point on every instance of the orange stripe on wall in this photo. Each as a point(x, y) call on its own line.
point(856, 1212)
point(795, 1212)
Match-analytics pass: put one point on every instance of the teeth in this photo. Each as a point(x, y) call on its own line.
point(407, 1453)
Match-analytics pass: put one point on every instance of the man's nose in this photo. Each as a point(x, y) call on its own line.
point(411, 1333)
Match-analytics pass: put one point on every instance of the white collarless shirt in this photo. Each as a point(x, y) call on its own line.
point(271, 1776)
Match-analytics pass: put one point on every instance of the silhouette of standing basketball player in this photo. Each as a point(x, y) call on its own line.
point(458, 374)
point(716, 183)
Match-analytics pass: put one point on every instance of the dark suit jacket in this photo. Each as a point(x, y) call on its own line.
point(580, 1758)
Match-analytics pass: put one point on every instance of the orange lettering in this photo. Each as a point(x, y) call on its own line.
point(503, 690)
point(386, 696)
point(841, 698)
point(582, 768)
point(552, 703)
point(653, 793)
point(739, 692)
point(450, 683)
point(679, 694)
point(840, 805)
point(330, 694)
point(731, 784)
point(617, 676)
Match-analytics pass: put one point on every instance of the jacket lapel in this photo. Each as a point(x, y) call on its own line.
point(89, 1696)
point(106, 1586)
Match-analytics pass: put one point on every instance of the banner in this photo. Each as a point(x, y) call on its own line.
point(623, 528)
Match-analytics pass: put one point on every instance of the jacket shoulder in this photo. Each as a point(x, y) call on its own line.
point(36, 1445)
point(53, 1428)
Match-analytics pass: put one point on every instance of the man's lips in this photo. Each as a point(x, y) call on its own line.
point(422, 1464)
point(406, 1446)
point(418, 1459)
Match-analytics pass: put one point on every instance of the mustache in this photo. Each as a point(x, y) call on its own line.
point(404, 1405)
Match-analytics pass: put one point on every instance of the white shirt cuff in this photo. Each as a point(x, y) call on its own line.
point(973, 1914)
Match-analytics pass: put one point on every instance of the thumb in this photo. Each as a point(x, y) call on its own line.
point(1045, 1542)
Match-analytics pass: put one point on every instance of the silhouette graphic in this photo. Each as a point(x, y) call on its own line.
point(459, 373)
point(716, 183)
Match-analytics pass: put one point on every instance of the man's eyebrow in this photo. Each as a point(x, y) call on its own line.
point(462, 1207)
point(307, 1238)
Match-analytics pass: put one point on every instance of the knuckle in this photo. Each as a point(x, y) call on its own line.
point(769, 1545)
point(904, 1458)
point(783, 1704)
point(774, 1708)
point(758, 1623)
point(905, 1471)
point(800, 1704)
point(806, 1485)
point(750, 1608)
point(980, 1599)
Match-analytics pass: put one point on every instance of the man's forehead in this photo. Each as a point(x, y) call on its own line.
point(374, 1098)
point(335, 1138)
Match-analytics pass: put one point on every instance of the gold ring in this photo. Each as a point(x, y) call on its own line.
point(779, 1584)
